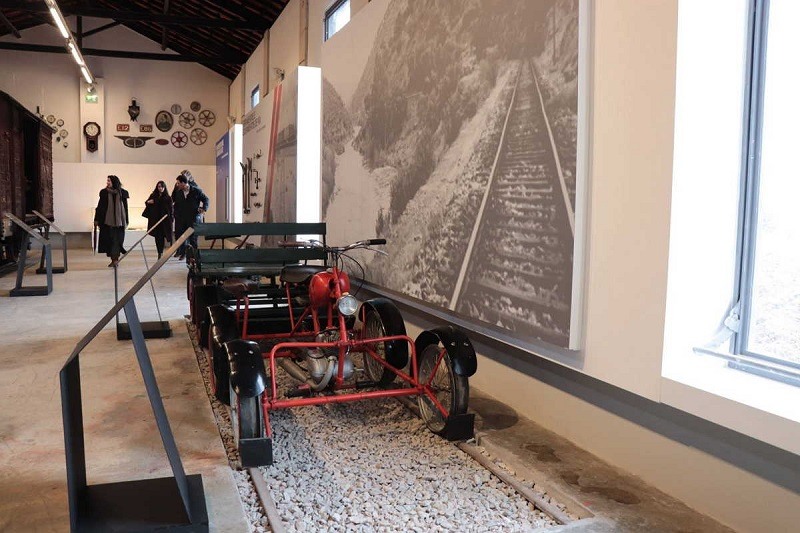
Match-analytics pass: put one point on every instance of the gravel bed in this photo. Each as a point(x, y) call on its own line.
point(372, 466)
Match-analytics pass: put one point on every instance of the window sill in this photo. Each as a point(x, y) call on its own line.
point(755, 406)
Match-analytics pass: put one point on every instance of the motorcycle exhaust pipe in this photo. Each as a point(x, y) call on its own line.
point(297, 372)
point(293, 369)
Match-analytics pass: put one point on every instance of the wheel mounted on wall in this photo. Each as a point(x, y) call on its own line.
point(449, 389)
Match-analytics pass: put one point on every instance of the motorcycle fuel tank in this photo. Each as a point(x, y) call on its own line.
point(322, 287)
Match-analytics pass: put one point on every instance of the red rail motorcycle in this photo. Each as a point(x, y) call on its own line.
point(337, 348)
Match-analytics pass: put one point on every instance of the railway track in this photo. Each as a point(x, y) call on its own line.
point(362, 482)
point(518, 269)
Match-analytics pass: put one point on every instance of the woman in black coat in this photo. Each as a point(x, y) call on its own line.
point(111, 216)
point(157, 205)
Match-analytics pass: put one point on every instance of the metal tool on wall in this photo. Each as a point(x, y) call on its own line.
point(246, 185)
point(256, 177)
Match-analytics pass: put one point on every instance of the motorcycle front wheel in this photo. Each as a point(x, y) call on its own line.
point(450, 389)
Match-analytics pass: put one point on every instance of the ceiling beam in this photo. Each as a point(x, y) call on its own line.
point(164, 27)
point(101, 28)
point(11, 27)
point(159, 18)
point(211, 60)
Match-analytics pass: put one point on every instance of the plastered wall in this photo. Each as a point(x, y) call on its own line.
point(53, 82)
point(631, 121)
point(284, 50)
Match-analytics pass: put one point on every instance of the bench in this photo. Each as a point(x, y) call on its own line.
point(248, 262)
point(210, 268)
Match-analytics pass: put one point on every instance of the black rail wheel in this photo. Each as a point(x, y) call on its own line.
point(450, 389)
point(381, 322)
point(220, 370)
point(247, 417)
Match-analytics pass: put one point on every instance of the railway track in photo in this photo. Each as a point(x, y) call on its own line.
point(517, 271)
point(374, 466)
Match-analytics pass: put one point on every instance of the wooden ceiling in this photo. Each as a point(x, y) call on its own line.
point(220, 34)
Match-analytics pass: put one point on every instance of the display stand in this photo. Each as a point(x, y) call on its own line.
point(47, 259)
point(159, 329)
point(174, 503)
point(47, 225)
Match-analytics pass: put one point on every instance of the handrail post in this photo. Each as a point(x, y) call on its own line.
point(121, 506)
point(19, 290)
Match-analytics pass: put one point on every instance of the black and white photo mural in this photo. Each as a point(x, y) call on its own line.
point(451, 128)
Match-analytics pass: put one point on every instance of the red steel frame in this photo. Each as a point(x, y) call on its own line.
point(344, 346)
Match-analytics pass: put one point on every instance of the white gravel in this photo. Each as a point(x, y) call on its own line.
point(372, 466)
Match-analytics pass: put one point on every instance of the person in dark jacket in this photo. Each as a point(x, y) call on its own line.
point(111, 216)
point(157, 205)
point(190, 203)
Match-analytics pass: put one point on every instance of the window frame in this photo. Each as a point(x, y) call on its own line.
point(750, 182)
point(336, 6)
point(256, 92)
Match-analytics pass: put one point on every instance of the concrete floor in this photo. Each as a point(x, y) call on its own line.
point(122, 442)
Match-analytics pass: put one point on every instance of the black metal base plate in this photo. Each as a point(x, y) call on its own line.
point(56, 270)
point(460, 427)
point(30, 291)
point(144, 505)
point(255, 452)
point(151, 330)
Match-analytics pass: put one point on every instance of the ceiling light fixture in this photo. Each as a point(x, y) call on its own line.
point(58, 18)
point(87, 75)
point(75, 54)
point(72, 47)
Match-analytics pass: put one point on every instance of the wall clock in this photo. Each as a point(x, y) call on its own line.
point(91, 130)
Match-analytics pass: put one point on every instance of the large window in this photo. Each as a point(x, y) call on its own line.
point(767, 336)
point(336, 17)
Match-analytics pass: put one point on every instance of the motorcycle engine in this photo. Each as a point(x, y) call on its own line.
point(317, 360)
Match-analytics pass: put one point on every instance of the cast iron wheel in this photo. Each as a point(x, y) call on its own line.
point(246, 417)
point(220, 370)
point(450, 389)
point(204, 296)
point(378, 323)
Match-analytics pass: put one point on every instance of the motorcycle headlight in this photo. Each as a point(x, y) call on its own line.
point(347, 304)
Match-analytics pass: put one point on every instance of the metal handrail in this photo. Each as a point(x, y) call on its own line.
point(49, 222)
point(143, 237)
point(27, 229)
point(128, 296)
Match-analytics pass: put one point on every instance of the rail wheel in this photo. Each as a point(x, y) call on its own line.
point(384, 321)
point(449, 389)
point(246, 417)
point(220, 370)
point(203, 296)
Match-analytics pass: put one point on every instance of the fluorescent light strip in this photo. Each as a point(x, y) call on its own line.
point(60, 22)
point(75, 54)
point(86, 75)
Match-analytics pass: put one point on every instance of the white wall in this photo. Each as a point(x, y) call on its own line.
point(237, 104)
point(53, 82)
point(284, 42)
point(254, 74)
point(632, 117)
point(81, 183)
